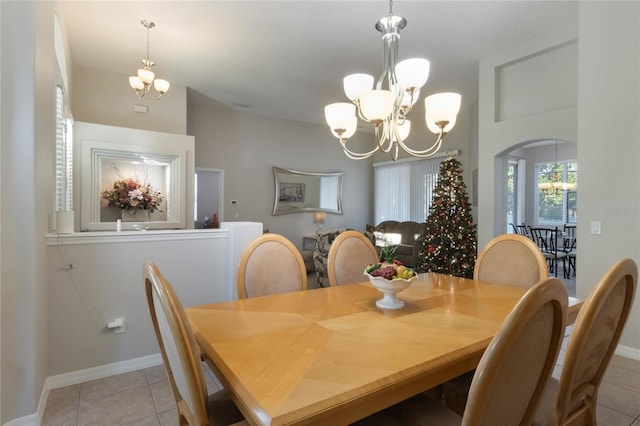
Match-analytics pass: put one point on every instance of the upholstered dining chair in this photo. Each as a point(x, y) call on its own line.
point(573, 399)
point(506, 259)
point(349, 254)
point(512, 373)
point(181, 358)
point(270, 264)
point(511, 259)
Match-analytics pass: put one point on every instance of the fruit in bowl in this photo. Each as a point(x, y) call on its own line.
point(390, 271)
point(390, 278)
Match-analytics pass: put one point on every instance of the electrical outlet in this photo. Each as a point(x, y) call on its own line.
point(117, 325)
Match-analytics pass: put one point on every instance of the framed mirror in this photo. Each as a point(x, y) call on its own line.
point(297, 191)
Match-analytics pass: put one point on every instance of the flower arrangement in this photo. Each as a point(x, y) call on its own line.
point(129, 194)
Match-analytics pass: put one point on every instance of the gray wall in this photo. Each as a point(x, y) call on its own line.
point(247, 146)
point(27, 133)
point(105, 97)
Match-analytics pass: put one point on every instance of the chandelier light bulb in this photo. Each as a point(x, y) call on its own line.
point(442, 106)
point(340, 115)
point(162, 86)
point(377, 105)
point(412, 73)
point(146, 76)
point(544, 185)
point(136, 83)
point(355, 85)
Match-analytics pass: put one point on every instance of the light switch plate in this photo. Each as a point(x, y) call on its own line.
point(596, 227)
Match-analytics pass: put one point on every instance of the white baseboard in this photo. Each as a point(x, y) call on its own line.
point(628, 352)
point(32, 420)
point(80, 376)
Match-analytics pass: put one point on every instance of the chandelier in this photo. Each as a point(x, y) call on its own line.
point(146, 78)
point(387, 105)
point(556, 182)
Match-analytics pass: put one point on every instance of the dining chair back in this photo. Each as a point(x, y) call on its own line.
point(519, 359)
point(349, 255)
point(511, 259)
point(573, 399)
point(512, 373)
point(522, 230)
point(181, 357)
point(570, 244)
point(270, 264)
point(547, 239)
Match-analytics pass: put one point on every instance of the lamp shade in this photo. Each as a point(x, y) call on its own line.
point(433, 127)
point(136, 83)
point(146, 76)
point(403, 129)
point(339, 115)
point(349, 131)
point(319, 217)
point(442, 106)
point(161, 85)
point(412, 72)
point(376, 105)
point(357, 84)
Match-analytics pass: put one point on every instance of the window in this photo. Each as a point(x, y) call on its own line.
point(512, 193)
point(64, 154)
point(403, 190)
point(557, 206)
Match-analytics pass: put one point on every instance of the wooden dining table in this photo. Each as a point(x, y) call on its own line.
point(330, 356)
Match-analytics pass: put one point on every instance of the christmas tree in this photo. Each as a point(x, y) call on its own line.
point(448, 242)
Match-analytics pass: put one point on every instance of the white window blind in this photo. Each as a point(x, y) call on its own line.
point(64, 155)
point(403, 190)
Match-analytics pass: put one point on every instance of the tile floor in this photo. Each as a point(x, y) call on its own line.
point(143, 398)
point(137, 398)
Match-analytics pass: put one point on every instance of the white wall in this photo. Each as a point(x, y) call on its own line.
point(603, 124)
point(533, 118)
point(609, 144)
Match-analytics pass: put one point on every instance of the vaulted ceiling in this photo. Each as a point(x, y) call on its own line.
point(287, 58)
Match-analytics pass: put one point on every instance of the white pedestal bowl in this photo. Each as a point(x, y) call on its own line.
point(389, 288)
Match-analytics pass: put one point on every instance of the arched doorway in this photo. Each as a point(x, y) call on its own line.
point(537, 185)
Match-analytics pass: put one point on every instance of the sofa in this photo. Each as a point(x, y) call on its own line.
point(404, 235)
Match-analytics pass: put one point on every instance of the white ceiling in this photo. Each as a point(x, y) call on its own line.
point(287, 58)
